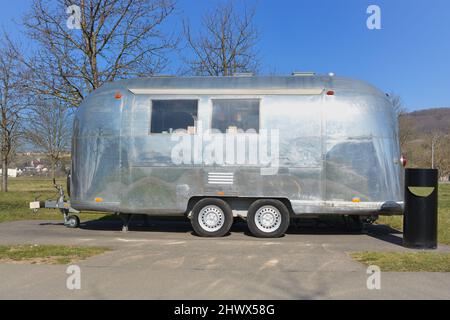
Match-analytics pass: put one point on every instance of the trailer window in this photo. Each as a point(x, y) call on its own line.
point(231, 115)
point(170, 115)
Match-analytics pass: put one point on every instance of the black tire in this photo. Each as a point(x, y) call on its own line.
point(73, 222)
point(223, 211)
point(270, 204)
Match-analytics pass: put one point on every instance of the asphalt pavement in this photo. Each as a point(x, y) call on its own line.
point(165, 260)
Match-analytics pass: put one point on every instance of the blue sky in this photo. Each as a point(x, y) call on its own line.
point(410, 55)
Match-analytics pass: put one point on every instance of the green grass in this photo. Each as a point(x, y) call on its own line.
point(405, 262)
point(14, 204)
point(396, 222)
point(47, 254)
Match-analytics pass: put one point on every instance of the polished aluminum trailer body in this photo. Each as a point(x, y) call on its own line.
point(338, 149)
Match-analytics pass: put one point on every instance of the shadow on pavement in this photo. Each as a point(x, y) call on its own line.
point(386, 233)
point(322, 226)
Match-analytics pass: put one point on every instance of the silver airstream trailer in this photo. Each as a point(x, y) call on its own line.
point(267, 149)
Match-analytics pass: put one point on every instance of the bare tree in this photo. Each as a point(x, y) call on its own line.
point(48, 129)
point(11, 104)
point(444, 158)
point(404, 123)
point(115, 39)
point(406, 129)
point(226, 43)
point(440, 157)
point(397, 104)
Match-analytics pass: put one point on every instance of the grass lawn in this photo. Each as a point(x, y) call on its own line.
point(396, 222)
point(14, 204)
point(47, 254)
point(405, 261)
point(415, 261)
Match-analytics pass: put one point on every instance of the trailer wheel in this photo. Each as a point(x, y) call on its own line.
point(73, 222)
point(212, 217)
point(268, 218)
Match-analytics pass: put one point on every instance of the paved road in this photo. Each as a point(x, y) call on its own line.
point(166, 261)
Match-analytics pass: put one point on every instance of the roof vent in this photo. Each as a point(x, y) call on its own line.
point(303, 74)
point(243, 74)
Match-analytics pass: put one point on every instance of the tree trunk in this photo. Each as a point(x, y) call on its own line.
point(4, 175)
point(53, 169)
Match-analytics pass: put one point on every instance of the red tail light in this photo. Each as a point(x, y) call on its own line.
point(403, 161)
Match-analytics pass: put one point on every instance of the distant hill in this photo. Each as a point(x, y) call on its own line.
point(418, 130)
point(429, 120)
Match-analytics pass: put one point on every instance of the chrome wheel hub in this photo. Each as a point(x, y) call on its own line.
point(211, 218)
point(268, 218)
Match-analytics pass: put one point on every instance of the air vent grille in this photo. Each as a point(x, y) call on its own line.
point(220, 178)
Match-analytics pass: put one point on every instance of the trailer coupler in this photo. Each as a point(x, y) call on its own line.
point(70, 219)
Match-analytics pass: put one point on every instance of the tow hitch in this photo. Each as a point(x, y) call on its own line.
point(71, 220)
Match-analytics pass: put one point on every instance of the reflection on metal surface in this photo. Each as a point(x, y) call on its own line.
point(331, 149)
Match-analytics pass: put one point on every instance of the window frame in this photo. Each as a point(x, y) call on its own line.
point(258, 99)
point(153, 99)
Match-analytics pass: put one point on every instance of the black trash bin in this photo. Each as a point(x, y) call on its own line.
point(421, 209)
